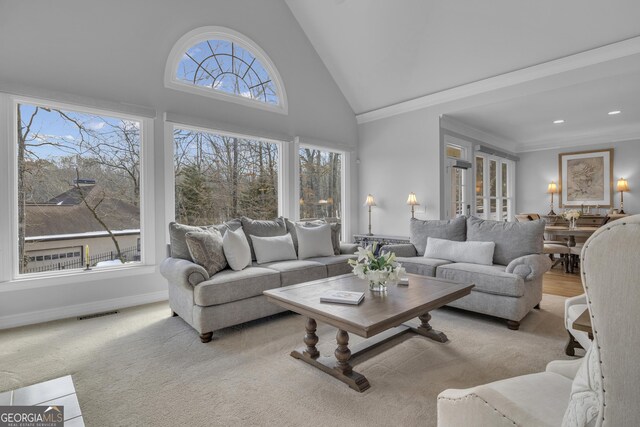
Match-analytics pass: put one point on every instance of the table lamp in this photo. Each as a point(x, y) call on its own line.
point(552, 189)
point(622, 186)
point(413, 202)
point(370, 202)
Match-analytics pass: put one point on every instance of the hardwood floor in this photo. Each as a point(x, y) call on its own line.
point(557, 282)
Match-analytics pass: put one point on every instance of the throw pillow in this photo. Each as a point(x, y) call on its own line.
point(236, 249)
point(206, 250)
point(451, 229)
point(262, 228)
point(336, 229)
point(178, 241)
point(277, 248)
point(314, 241)
point(512, 239)
point(471, 252)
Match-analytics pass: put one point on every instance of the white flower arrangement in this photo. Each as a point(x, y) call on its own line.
point(572, 214)
point(378, 270)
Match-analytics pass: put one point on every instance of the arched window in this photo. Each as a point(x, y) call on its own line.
point(219, 62)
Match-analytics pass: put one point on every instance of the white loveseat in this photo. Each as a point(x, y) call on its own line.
point(598, 390)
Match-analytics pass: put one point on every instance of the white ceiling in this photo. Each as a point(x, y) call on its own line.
point(382, 52)
point(527, 121)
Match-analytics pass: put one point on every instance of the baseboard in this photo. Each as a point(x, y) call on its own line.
point(65, 312)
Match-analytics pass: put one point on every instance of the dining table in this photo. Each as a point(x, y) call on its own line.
point(570, 233)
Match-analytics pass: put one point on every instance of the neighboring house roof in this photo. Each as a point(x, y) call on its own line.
point(67, 213)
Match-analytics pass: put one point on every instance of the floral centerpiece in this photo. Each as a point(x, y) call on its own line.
point(572, 216)
point(379, 270)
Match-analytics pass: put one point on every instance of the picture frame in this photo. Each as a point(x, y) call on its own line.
point(586, 178)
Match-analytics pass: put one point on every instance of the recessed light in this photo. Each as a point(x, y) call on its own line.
point(613, 113)
point(557, 122)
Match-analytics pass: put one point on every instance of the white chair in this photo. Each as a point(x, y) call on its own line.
point(598, 390)
point(573, 308)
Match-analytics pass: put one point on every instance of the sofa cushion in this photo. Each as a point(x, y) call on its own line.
point(298, 271)
point(336, 265)
point(205, 247)
point(229, 285)
point(276, 248)
point(512, 239)
point(490, 279)
point(422, 266)
point(471, 252)
point(177, 235)
point(314, 241)
point(262, 228)
point(450, 229)
point(236, 249)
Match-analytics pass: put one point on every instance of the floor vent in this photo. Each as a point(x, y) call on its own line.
point(93, 316)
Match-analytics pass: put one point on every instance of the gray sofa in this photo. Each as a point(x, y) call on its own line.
point(229, 297)
point(509, 288)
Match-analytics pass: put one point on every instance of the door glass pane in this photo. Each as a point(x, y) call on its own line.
point(457, 192)
point(479, 185)
point(504, 180)
point(492, 178)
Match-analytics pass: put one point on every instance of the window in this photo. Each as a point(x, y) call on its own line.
point(320, 183)
point(221, 176)
point(494, 187)
point(219, 62)
point(79, 182)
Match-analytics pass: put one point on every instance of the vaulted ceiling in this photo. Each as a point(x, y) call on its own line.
point(382, 52)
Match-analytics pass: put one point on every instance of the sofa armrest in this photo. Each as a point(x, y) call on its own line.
point(566, 368)
point(348, 248)
point(183, 272)
point(401, 250)
point(529, 267)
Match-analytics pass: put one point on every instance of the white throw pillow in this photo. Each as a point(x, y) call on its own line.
point(471, 252)
point(236, 249)
point(277, 248)
point(314, 241)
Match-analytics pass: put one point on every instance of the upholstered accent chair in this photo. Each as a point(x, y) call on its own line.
point(598, 390)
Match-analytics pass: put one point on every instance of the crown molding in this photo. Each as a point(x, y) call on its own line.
point(572, 62)
point(626, 133)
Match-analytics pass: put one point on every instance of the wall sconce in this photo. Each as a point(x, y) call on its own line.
point(413, 202)
point(370, 202)
point(622, 186)
point(552, 189)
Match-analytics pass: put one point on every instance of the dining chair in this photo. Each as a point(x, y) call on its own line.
point(551, 247)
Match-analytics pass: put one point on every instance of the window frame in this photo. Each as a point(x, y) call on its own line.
point(486, 197)
point(147, 191)
point(170, 178)
point(201, 34)
point(344, 183)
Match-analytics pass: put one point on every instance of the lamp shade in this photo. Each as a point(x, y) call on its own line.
point(622, 185)
point(370, 201)
point(412, 201)
point(553, 188)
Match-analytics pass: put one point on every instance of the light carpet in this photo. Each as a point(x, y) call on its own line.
point(142, 367)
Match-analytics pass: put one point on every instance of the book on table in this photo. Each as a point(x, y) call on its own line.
point(342, 297)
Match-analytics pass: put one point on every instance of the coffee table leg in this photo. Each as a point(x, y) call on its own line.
point(426, 330)
point(343, 353)
point(311, 339)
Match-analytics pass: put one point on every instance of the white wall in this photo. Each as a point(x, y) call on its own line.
point(537, 169)
point(113, 54)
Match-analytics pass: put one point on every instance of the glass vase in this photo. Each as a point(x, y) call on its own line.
point(572, 224)
point(377, 286)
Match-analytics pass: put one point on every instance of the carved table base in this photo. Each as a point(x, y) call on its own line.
point(338, 366)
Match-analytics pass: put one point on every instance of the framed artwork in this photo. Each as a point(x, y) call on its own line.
point(586, 178)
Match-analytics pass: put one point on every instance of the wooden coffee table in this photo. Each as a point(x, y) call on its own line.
point(381, 315)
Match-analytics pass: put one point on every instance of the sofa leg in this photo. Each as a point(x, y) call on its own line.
point(206, 337)
point(174, 314)
point(513, 325)
point(537, 307)
point(572, 344)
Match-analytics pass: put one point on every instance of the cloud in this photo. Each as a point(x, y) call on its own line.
point(95, 125)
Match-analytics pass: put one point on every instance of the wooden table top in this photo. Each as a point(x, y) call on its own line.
point(564, 230)
point(583, 322)
point(378, 311)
